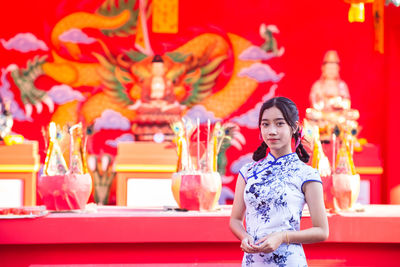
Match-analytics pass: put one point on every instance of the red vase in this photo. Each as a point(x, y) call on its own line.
point(65, 192)
point(346, 188)
point(197, 191)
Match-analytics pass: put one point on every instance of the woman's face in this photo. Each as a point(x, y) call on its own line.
point(276, 132)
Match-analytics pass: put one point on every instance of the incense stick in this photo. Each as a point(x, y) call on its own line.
point(198, 144)
point(208, 145)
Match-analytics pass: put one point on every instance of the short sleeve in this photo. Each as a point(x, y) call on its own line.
point(310, 175)
point(245, 170)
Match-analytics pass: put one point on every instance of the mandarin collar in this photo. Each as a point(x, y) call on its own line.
point(278, 161)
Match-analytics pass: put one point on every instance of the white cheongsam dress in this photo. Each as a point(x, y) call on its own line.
point(274, 202)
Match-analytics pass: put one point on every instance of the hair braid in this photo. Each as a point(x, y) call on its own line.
point(300, 150)
point(261, 152)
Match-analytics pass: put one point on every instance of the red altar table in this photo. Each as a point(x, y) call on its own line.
point(156, 237)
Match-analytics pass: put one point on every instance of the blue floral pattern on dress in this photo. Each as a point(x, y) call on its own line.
point(274, 202)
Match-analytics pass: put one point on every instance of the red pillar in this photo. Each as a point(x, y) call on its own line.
point(392, 85)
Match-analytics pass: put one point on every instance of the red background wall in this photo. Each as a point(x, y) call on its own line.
point(307, 30)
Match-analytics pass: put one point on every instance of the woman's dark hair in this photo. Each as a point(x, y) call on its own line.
point(291, 115)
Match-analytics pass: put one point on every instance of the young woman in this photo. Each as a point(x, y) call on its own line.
point(271, 192)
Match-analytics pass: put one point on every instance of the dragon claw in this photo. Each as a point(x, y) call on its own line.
point(39, 107)
point(28, 110)
point(49, 103)
point(25, 81)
